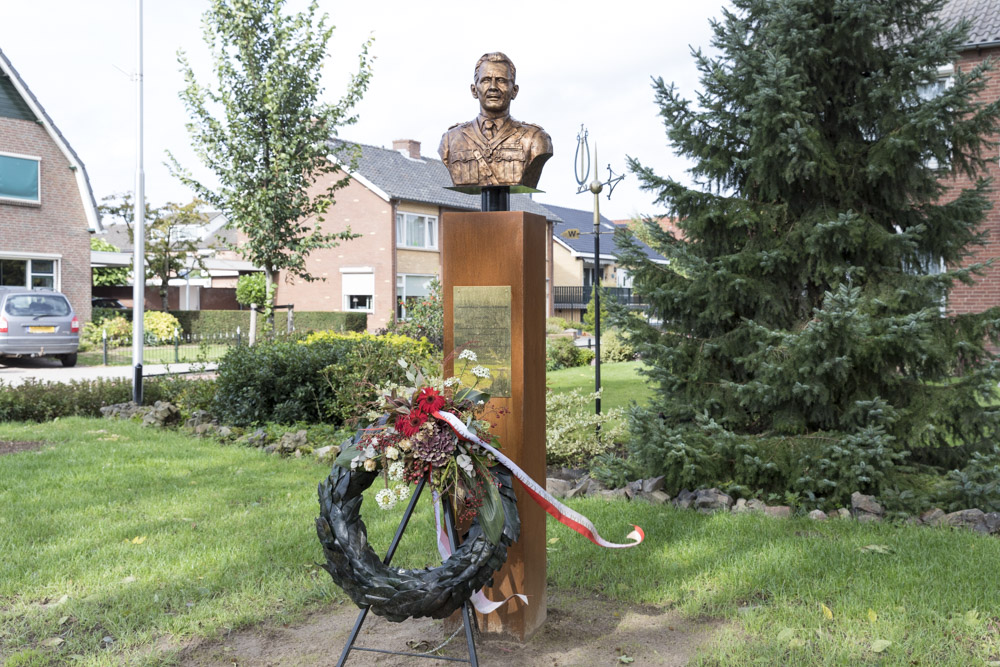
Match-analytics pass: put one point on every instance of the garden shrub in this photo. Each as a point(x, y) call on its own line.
point(160, 326)
point(977, 485)
point(277, 381)
point(616, 347)
point(39, 401)
point(571, 429)
point(367, 362)
point(556, 325)
point(326, 377)
point(562, 353)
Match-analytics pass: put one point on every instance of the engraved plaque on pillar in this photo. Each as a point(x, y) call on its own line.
point(482, 325)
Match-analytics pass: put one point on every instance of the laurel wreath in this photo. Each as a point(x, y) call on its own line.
point(395, 593)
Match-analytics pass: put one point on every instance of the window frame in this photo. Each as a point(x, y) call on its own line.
point(29, 270)
point(345, 296)
point(401, 296)
point(6, 199)
point(431, 231)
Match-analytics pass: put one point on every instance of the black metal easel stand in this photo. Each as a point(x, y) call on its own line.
point(467, 620)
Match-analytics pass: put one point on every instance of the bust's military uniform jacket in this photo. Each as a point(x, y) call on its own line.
point(513, 157)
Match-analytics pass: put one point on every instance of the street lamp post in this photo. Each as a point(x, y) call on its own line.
point(582, 164)
point(139, 235)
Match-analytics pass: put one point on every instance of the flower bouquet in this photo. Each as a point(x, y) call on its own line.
point(411, 440)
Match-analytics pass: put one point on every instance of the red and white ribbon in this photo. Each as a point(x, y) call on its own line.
point(561, 513)
point(483, 604)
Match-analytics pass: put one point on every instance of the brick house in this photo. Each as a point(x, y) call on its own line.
point(47, 208)
point(394, 200)
point(574, 270)
point(983, 43)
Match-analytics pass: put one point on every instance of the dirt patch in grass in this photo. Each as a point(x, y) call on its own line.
point(15, 446)
point(581, 629)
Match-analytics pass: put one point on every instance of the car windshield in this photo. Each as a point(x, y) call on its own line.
point(36, 305)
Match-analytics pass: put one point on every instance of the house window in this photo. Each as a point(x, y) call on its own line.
point(409, 288)
point(28, 273)
point(19, 177)
point(358, 288)
point(43, 273)
point(416, 231)
point(945, 79)
point(13, 273)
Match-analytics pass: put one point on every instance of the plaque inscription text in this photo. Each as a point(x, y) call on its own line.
point(482, 325)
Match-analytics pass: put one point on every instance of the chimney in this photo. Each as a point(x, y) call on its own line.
point(407, 147)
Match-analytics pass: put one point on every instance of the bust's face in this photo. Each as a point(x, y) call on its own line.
point(494, 88)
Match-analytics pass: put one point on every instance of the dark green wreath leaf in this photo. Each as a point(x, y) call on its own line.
point(491, 515)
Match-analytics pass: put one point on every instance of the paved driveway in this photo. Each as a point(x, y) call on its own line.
point(16, 371)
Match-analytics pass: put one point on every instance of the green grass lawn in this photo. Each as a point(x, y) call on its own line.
point(621, 382)
point(112, 530)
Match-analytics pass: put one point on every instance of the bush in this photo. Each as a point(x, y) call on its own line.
point(571, 429)
point(556, 325)
point(44, 401)
point(159, 326)
point(562, 353)
point(92, 335)
point(977, 485)
point(367, 362)
point(616, 347)
point(278, 381)
point(327, 377)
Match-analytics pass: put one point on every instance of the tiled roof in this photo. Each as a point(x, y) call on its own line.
point(584, 221)
point(983, 17)
point(424, 180)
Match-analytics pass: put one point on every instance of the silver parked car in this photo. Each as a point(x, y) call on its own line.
point(36, 323)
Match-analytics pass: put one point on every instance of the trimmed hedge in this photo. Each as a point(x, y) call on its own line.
point(44, 401)
point(209, 322)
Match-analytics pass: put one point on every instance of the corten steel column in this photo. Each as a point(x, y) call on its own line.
point(508, 249)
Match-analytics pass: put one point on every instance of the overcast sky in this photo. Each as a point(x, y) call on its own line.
point(583, 62)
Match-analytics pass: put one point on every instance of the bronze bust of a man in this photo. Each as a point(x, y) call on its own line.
point(494, 149)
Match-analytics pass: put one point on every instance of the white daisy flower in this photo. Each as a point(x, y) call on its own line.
point(468, 355)
point(402, 492)
point(451, 381)
point(396, 471)
point(481, 371)
point(385, 498)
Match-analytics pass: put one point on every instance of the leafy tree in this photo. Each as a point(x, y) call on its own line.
point(798, 308)
point(263, 131)
point(108, 276)
point(168, 250)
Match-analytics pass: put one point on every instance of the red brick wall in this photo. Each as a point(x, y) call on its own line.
point(986, 292)
point(59, 224)
point(371, 216)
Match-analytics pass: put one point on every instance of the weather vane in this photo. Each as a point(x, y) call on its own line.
point(581, 167)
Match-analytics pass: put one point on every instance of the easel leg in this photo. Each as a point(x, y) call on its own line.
point(388, 557)
point(467, 617)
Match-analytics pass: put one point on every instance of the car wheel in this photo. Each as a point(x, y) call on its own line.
point(68, 360)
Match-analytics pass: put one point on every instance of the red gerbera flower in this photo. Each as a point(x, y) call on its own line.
point(408, 425)
point(429, 400)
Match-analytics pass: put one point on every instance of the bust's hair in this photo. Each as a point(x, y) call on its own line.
point(495, 57)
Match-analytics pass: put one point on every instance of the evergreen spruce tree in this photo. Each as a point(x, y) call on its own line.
point(806, 343)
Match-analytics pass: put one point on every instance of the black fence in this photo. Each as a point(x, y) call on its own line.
point(579, 297)
point(184, 348)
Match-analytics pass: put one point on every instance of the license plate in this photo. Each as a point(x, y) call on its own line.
point(41, 329)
